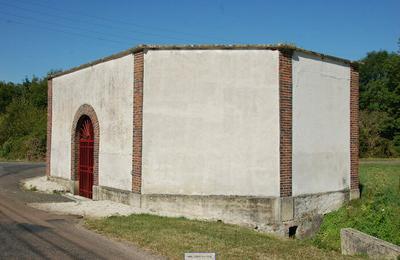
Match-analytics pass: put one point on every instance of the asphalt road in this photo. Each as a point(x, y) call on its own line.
point(28, 233)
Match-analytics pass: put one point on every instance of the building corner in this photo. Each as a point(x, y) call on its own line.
point(354, 132)
point(285, 143)
point(138, 80)
point(49, 124)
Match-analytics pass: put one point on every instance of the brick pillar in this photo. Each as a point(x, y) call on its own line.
point(137, 121)
point(285, 115)
point(354, 94)
point(49, 124)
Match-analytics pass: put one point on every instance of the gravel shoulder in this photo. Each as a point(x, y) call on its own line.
point(41, 183)
point(91, 209)
point(76, 205)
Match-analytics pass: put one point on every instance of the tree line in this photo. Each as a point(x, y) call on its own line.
point(23, 119)
point(380, 105)
point(23, 111)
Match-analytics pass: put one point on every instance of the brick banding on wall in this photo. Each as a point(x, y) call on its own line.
point(137, 121)
point(49, 124)
point(354, 134)
point(285, 124)
point(85, 110)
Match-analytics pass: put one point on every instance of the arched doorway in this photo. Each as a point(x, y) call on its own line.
point(85, 156)
point(85, 115)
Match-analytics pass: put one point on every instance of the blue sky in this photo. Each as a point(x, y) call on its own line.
point(40, 35)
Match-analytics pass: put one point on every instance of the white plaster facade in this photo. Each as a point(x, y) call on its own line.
point(321, 125)
point(107, 87)
point(211, 122)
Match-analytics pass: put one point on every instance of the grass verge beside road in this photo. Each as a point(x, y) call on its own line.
point(377, 213)
point(172, 237)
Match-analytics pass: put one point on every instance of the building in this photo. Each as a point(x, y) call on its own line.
point(258, 135)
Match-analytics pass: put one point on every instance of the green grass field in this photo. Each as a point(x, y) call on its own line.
point(377, 213)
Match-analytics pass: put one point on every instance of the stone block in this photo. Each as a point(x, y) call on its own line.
point(354, 242)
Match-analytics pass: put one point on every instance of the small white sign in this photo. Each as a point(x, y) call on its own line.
point(199, 256)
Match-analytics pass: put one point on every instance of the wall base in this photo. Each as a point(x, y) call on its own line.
point(268, 214)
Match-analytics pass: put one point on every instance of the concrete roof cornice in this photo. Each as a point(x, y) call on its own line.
point(145, 47)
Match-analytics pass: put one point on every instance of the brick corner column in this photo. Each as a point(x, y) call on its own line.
point(285, 122)
point(49, 124)
point(354, 132)
point(138, 75)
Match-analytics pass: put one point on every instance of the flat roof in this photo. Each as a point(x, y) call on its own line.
point(144, 47)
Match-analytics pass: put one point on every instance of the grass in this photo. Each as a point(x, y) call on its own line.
point(172, 237)
point(377, 212)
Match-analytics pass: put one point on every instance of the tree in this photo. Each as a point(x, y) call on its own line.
point(23, 119)
point(380, 104)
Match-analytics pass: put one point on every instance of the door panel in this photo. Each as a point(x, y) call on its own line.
point(85, 165)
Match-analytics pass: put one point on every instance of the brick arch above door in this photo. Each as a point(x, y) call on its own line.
point(85, 110)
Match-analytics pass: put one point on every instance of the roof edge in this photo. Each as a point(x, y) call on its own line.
point(145, 47)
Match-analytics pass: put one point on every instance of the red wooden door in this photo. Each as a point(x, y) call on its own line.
point(86, 156)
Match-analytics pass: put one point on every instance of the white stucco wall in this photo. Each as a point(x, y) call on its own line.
point(211, 122)
point(321, 125)
point(108, 88)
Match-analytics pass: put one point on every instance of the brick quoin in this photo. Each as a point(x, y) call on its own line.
point(137, 121)
point(85, 110)
point(49, 124)
point(285, 124)
point(354, 134)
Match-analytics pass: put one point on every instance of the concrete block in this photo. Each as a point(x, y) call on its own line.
point(107, 193)
point(75, 189)
point(96, 193)
point(309, 226)
point(287, 208)
point(135, 200)
point(354, 194)
point(318, 204)
point(354, 242)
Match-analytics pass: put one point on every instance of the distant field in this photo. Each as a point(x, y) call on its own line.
point(376, 213)
point(380, 161)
